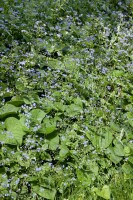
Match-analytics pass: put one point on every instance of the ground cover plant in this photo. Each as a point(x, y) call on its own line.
point(66, 100)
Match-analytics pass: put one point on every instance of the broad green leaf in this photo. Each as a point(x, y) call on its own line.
point(59, 106)
point(44, 192)
point(20, 85)
point(63, 151)
point(130, 159)
point(114, 126)
point(27, 100)
point(100, 141)
point(23, 123)
point(14, 133)
point(130, 122)
point(127, 151)
point(7, 110)
point(17, 101)
point(130, 118)
point(45, 156)
point(127, 168)
point(48, 106)
point(104, 193)
point(37, 115)
point(54, 63)
point(78, 101)
point(85, 177)
point(48, 126)
point(93, 167)
point(47, 182)
point(54, 143)
point(118, 73)
point(112, 156)
point(73, 110)
point(118, 149)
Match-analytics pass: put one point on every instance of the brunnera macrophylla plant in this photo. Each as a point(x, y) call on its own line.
point(66, 100)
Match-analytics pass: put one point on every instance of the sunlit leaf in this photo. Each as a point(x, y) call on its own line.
point(54, 142)
point(112, 156)
point(14, 133)
point(63, 151)
point(104, 193)
point(37, 115)
point(73, 110)
point(44, 192)
point(100, 141)
point(7, 110)
point(48, 126)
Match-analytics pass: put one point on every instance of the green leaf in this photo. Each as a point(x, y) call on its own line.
point(104, 193)
point(23, 122)
point(127, 151)
point(37, 115)
point(20, 85)
point(118, 73)
point(45, 156)
point(14, 133)
point(78, 101)
point(130, 118)
point(48, 106)
point(118, 149)
point(48, 126)
point(103, 140)
point(16, 101)
point(7, 110)
point(44, 192)
point(73, 110)
point(54, 142)
point(47, 182)
point(59, 106)
point(127, 168)
point(93, 167)
point(63, 151)
point(84, 177)
point(112, 156)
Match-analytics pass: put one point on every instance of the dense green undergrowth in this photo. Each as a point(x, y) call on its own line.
point(66, 100)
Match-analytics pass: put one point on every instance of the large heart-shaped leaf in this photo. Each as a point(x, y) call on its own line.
point(37, 115)
point(17, 101)
point(53, 141)
point(118, 149)
point(103, 140)
point(73, 110)
point(14, 132)
point(63, 151)
point(48, 126)
point(7, 110)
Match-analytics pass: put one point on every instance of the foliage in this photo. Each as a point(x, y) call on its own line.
point(66, 93)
